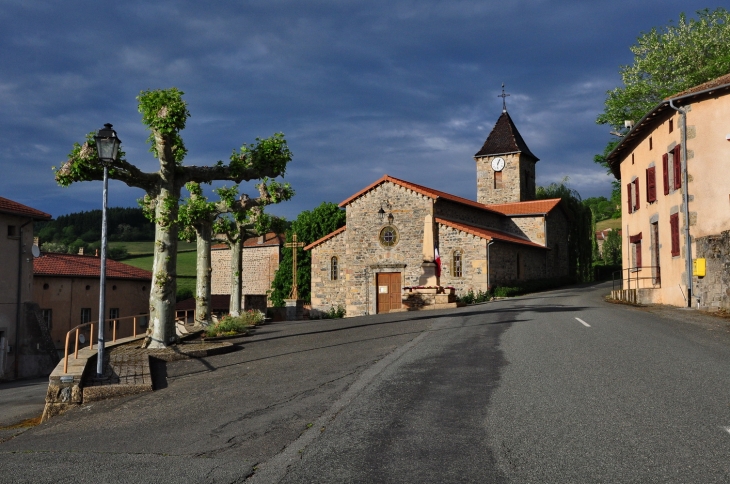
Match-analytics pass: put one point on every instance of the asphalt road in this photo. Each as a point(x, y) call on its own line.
point(555, 387)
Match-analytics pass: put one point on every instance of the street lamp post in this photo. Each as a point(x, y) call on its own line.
point(107, 147)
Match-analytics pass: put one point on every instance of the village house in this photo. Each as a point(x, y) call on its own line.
point(66, 287)
point(394, 229)
point(19, 329)
point(675, 200)
point(260, 260)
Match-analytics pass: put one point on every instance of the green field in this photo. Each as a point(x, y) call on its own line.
point(185, 262)
point(612, 223)
point(142, 248)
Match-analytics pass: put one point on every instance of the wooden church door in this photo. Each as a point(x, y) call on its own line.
point(388, 291)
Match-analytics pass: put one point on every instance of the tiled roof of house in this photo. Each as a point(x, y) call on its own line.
point(526, 208)
point(489, 234)
point(602, 234)
point(326, 237)
point(270, 239)
point(505, 138)
point(428, 192)
point(15, 208)
point(717, 82)
point(72, 265)
point(218, 302)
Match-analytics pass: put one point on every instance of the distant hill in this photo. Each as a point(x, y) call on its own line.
point(123, 224)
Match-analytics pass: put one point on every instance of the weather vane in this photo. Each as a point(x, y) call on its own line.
point(504, 101)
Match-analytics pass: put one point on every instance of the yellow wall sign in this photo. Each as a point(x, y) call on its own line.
point(698, 267)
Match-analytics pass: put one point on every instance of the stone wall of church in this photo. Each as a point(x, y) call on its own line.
point(512, 263)
point(473, 253)
point(518, 180)
point(325, 291)
point(366, 256)
point(532, 228)
point(466, 214)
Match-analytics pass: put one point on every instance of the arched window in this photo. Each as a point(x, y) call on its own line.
point(456, 266)
point(333, 269)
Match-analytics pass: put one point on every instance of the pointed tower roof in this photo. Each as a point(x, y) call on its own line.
point(504, 139)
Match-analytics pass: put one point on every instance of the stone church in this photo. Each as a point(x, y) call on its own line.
point(395, 228)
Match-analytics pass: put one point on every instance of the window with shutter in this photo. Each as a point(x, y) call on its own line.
point(651, 184)
point(637, 199)
point(677, 168)
point(638, 253)
point(665, 166)
point(629, 198)
point(674, 230)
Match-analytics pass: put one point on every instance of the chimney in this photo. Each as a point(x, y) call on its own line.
point(81, 251)
point(97, 253)
point(261, 239)
point(36, 241)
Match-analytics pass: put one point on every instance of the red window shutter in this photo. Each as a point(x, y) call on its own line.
point(636, 194)
point(665, 165)
point(677, 168)
point(630, 201)
point(638, 253)
point(651, 184)
point(674, 229)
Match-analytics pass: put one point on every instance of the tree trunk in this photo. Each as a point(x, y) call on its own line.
point(202, 283)
point(164, 276)
point(236, 268)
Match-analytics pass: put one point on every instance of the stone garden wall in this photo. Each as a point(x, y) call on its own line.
point(714, 289)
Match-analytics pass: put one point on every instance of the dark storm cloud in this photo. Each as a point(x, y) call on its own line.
point(407, 88)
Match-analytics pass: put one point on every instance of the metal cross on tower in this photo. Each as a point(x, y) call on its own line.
point(504, 101)
point(294, 245)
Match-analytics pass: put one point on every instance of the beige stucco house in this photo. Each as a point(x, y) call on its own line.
point(676, 207)
point(260, 260)
point(19, 354)
point(66, 287)
point(502, 238)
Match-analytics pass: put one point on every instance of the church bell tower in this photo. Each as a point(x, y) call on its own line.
point(505, 165)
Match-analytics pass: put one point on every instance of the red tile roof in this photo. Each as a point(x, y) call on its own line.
point(526, 208)
point(717, 82)
point(429, 192)
point(71, 265)
point(326, 237)
point(504, 139)
point(270, 239)
point(15, 208)
point(489, 234)
point(602, 234)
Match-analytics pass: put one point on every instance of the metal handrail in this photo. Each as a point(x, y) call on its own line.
point(633, 274)
point(77, 330)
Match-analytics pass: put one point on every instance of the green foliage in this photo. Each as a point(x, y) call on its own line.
point(668, 60)
point(601, 207)
point(580, 229)
point(228, 326)
point(165, 112)
point(125, 224)
point(309, 226)
point(334, 313)
point(268, 152)
point(612, 248)
point(471, 298)
point(184, 293)
point(83, 164)
point(117, 253)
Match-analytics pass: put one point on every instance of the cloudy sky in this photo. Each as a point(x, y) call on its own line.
point(360, 88)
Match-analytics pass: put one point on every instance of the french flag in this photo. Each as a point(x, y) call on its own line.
point(437, 260)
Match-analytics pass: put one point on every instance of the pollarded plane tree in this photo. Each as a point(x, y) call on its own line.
point(239, 226)
point(165, 113)
point(197, 217)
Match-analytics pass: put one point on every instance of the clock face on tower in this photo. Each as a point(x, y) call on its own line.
point(498, 164)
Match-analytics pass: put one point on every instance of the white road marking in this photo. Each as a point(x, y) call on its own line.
point(583, 323)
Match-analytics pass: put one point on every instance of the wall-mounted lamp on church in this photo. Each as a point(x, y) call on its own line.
point(381, 213)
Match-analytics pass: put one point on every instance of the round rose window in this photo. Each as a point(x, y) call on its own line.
point(388, 236)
